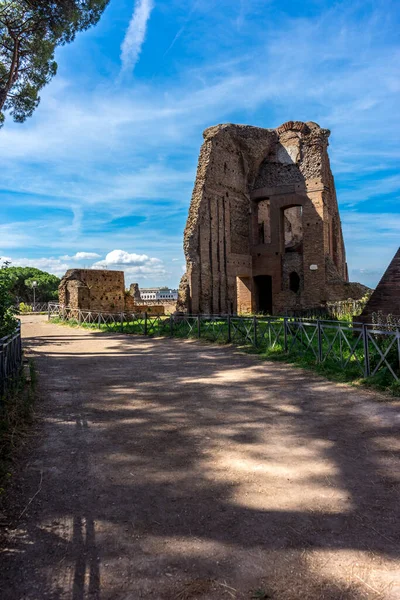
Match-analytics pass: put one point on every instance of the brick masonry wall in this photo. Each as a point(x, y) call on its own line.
point(386, 297)
point(105, 290)
point(247, 175)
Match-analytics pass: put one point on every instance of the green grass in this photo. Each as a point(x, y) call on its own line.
point(270, 345)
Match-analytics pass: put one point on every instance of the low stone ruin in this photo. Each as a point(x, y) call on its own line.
point(100, 290)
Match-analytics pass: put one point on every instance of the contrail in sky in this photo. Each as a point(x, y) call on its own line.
point(136, 34)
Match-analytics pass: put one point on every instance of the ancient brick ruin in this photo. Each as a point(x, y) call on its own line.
point(386, 297)
point(93, 289)
point(264, 232)
point(101, 290)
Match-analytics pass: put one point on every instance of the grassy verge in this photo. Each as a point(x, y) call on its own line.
point(217, 332)
point(16, 414)
point(382, 381)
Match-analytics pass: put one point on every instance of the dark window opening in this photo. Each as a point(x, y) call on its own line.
point(294, 282)
point(264, 293)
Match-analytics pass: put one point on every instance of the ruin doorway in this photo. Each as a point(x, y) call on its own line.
point(263, 285)
point(244, 295)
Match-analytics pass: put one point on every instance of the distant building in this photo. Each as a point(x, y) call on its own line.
point(158, 294)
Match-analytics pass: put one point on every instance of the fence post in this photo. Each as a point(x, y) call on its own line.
point(122, 321)
point(48, 312)
point(285, 334)
point(398, 346)
point(2, 371)
point(145, 323)
point(79, 316)
point(229, 330)
point(367, 370)
point(99, 320)
point(255, 330)
point(320, 356)
point(198, 326)
point(171, 325)
point(19, 345)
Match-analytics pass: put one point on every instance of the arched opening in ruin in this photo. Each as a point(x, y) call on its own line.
point(264, 221)
point(263, 289)
point(293, 229)
point(294, 282)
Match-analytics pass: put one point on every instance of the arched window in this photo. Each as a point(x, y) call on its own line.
point(294, 282)
point(293, 229)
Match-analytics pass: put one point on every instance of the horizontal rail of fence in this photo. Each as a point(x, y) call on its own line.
point(10, 359)
point(28, 307)
point(364, 349)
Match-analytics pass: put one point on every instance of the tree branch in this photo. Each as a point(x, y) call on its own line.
point(12, 75)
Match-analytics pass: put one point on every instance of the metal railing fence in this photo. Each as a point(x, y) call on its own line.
point(28, 307)
point(10, 359)
point(363, 349)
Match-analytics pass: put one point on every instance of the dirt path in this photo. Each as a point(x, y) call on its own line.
point(170, 469)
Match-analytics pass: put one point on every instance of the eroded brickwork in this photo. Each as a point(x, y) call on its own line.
point(263, 232)
point(93, 289)
point(386, 297)
point(104, 291)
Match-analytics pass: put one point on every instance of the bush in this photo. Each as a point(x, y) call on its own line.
point(8, 322)
point(25, 308)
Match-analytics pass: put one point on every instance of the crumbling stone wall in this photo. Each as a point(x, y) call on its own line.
point(386, 297)
point(263, 221)
point(93, 289)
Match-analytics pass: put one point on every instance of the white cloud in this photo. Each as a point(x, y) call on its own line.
point(81, 256)
point(134, 265)
point(120, 257)
point(135, 36)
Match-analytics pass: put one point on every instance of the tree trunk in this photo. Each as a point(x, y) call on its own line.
point(13, 74)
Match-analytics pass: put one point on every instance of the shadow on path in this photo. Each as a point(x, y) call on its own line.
point(169, 465)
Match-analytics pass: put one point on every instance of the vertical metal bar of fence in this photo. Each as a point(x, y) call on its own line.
point(198, 326)
point(2, 371)
point(319, 333)
point(48, 313)
point(122, 321)
point(145, 323)
point(171, 325)
point(285, 334)
point(99, 320)
point(79, 316)
point(255, 331)
point(20, 347)
point(367, 369)
point(398, 347)
point(229, 330)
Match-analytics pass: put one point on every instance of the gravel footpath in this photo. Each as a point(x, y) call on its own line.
point(170, 469)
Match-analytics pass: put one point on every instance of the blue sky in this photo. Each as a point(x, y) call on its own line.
point(103, 171)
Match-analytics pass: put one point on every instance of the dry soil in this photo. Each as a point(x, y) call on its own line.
point(171, 469)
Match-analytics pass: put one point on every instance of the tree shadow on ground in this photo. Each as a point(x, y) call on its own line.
point(168, 464)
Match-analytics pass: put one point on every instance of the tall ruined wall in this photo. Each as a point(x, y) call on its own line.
point(216, 238)
point(264, 204)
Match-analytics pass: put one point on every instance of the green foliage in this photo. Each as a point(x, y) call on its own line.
point(25, 308)
point(30, 31)
point(21, 284)
point(8, 321)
